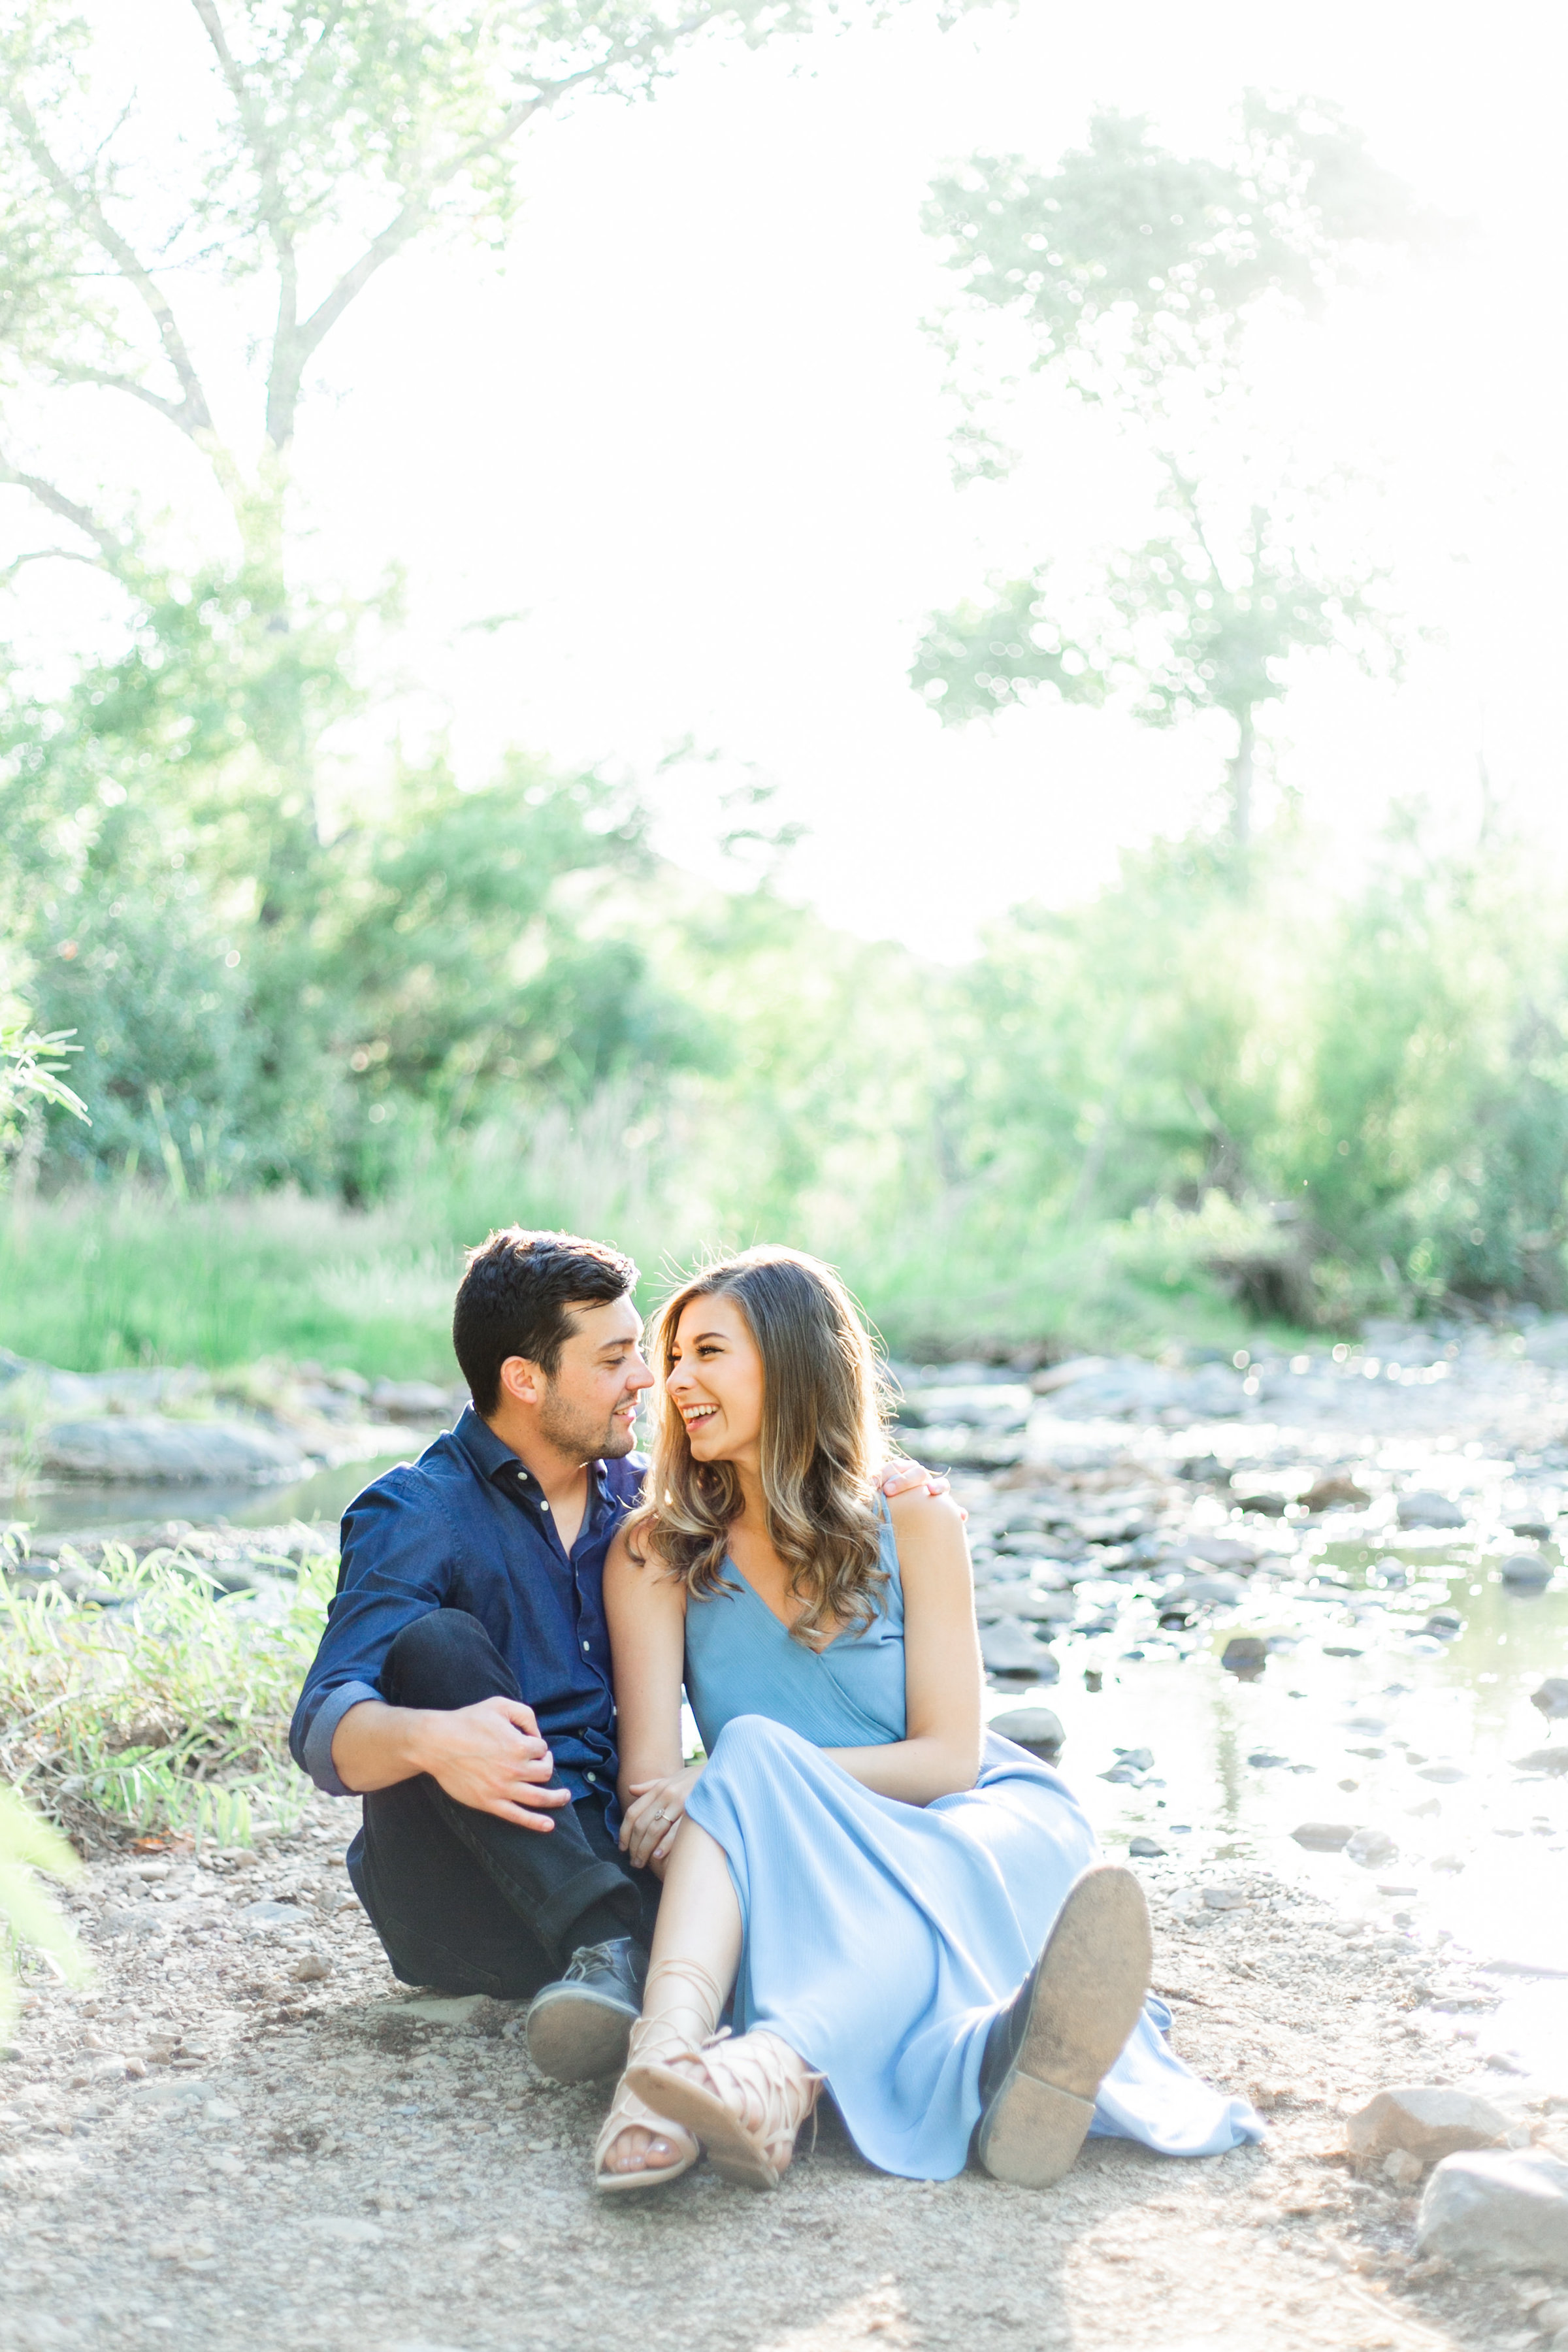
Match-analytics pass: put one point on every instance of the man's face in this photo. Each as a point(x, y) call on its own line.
point(588, 1406)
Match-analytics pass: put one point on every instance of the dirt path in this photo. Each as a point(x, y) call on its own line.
point(325, 2162)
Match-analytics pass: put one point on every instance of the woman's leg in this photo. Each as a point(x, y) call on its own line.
point(696, 1955)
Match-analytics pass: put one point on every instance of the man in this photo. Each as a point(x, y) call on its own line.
point(462, 1686)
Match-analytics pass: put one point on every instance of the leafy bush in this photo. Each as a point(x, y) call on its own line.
point(164, 1705)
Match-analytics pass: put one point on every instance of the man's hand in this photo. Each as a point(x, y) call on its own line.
point(899, 1477)
point(488, 1755)
point(491, 1757)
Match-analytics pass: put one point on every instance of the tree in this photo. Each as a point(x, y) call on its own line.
point(339, 134)
point(1131, 276)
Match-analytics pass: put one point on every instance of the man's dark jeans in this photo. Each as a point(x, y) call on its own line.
point(463, 1899)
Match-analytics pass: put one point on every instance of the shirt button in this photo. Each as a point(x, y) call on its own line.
point(590, 1776)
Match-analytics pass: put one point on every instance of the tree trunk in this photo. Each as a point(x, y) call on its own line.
point(1241, 780)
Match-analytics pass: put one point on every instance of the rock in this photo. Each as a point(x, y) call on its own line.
point(1504, 2211)
point(1144, 1849)
point(150, 1449)
point(1266, 1507)
point(1445, 1624)
point(1427, 2121)
point(419, 1399)
point(1007, 1649)
point(1401, 2169)
point(1334, 1493)
point(435, 2009)
point(1224, 1898)
point(1026, 1600)
point(1222, 1551)
point(310, 1968)
point(1323, 1837)
point(1062, 1376)
point(1194, 1590)
point(1033, 1727)
point(1371, 1848)
point(1444, 1774)
point(1206, 1469)
point(1543, 1759)
point(1263, 1759)
point(1425, 1510)
point(221, 2111)
point(345, 2229)
point(1526, 1571)
point(1246, 1654)
point(1552, 1698)
point(268, 1914)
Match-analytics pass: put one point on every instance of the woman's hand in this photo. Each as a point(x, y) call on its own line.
point(656, 1812)
point(901, 1476)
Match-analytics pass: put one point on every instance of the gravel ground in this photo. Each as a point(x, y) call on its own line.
point(243, 2133)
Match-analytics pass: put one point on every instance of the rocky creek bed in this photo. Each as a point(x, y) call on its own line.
point(242, 2133)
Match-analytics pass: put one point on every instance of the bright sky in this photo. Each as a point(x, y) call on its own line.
point(694, 435)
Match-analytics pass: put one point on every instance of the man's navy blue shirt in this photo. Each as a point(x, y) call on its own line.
point(467, 1527)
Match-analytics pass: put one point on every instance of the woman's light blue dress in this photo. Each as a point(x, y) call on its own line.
point(882, 1937)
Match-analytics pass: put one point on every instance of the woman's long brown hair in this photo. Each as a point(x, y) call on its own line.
point(823, 1443)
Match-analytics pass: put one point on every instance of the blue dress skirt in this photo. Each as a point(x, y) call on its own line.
point(880, 1939)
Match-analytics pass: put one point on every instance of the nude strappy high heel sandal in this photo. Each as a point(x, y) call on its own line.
point(745, 2104)
point(678, 2031)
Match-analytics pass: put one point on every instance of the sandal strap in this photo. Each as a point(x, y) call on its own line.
point(763, 2082)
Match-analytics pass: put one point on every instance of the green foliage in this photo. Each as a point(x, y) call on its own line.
point(30, 1068)
point(167, 1708)
point(1132, 275)
point(1127, 261)
point(28, 1846)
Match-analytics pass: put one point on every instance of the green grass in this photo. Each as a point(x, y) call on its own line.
point(97, 1280)
point(168, 1709)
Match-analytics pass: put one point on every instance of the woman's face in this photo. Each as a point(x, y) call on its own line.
point(715, 1382)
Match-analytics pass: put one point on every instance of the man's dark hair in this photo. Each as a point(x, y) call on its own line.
point(515, 1300)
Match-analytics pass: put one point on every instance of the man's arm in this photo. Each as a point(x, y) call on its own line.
point(489, 1756)
point(395, 1557)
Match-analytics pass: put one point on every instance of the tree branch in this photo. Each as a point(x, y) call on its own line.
point(109, 381)
point(109, 548)
point(274, 215)
point(192, 414)
point(418, 211)
point(46, 555)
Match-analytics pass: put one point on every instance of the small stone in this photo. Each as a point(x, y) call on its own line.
point(1444, 1774)
point(1007, 1649)
point(1543, 1759)
point(1552, 1698)
point(1245, 1655)
point(1323, 1837)
point(268, 1914)
point(310, 1968)
point(1144, 1849)
point(1425, 1510)
point(1526, 1571)
point(1427, 2121)
point(1505, 2211)
point(1400, 2168)
point(1335, 1493)
point(1445, 1624)
point(346, 2229)
point(1033, 1727)
point(1371, 1848)
point(1224, 1898)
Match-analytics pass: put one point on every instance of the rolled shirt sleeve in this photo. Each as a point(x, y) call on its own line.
point(316, 1748)
point(396, 1555)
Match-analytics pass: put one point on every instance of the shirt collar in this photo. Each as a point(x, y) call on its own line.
point(493, 1458)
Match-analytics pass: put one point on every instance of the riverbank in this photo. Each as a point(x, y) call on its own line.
point(243, 2133)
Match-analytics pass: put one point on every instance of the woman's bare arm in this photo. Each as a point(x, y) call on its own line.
point(940, 1753)
point(646, 1613)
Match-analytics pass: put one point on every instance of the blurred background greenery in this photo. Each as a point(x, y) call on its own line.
point(329, 1036)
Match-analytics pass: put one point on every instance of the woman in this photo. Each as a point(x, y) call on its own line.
point(907, 1907)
